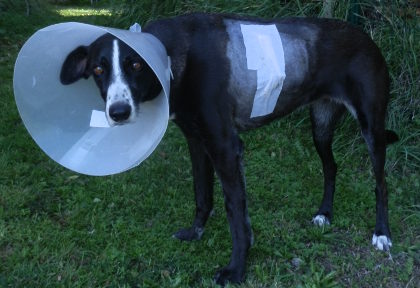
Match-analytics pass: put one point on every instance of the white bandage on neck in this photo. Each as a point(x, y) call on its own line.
point(264, 53)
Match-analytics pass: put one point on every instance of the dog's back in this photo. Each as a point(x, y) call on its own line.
point(323, 58)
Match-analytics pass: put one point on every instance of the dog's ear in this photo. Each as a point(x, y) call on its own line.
point(74, 67)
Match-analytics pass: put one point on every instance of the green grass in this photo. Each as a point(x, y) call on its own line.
point(61, 229)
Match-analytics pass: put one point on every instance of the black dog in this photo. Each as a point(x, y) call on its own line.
point(329, 65)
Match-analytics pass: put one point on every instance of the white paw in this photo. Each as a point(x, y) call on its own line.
point(382, 242)
point(320, 220)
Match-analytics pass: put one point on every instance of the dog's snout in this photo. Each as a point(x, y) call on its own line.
point(120, 111)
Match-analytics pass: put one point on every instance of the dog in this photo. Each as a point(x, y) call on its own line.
point(330, 66)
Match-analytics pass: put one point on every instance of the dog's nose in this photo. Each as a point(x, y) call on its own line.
point(119, 111)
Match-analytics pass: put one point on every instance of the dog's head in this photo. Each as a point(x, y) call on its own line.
point(124, 79)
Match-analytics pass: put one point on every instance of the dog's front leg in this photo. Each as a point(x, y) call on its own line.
point(203, 174)
point(226, 155)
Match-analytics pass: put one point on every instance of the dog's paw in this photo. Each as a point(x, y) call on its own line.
point(228, 275)
point(189, 234)
point(320, 220)
point(381, 242)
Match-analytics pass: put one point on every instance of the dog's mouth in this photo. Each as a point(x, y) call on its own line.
point(121, 123)
point(113, 123)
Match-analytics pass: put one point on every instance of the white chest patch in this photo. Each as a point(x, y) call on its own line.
point(264, 53)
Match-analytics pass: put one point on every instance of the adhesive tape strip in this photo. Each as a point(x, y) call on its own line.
point(264, 53)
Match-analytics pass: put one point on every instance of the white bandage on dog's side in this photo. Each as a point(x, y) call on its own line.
point(98, 119)
point(264, 53)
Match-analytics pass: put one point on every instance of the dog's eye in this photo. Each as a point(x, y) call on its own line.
point(136, 66)
point(98, 70)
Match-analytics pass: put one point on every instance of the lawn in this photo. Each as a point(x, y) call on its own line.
point(59, 228)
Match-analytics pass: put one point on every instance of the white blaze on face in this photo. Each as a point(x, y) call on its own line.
point(118, 90)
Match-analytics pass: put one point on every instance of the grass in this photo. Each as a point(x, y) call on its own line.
point(58, 228)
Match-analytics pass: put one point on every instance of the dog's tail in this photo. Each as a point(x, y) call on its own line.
point(391, 137)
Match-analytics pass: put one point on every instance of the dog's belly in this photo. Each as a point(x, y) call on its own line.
point(243, 82)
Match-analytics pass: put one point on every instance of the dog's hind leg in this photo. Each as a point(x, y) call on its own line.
point(375, 136)
point(203, 174)
point(382, 237)
point(376, 142)
point(324, 115)
point(374, 90)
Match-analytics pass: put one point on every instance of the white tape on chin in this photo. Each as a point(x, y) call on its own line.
point(264, 53)
point(98, 119)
